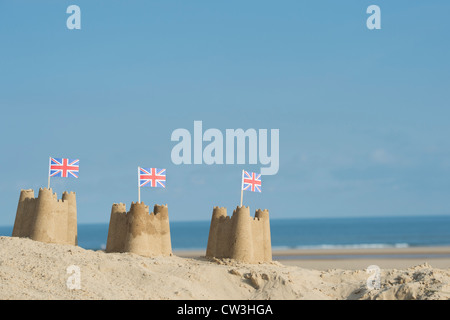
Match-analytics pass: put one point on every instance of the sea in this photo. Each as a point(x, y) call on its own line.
point(303, 233)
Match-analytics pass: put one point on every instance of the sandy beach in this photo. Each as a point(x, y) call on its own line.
point(35, 270)
point(355, 259)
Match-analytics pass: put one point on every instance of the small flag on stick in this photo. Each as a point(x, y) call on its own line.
point(63, 167)
point(251, 181)
point(151, 177)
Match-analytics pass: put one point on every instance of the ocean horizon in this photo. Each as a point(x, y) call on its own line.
point(303, 233)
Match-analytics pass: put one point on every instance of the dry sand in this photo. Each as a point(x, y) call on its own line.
point(35, 270)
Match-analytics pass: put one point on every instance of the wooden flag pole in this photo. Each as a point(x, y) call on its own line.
point(139, 185)
point(49, 170)
point(242, 187)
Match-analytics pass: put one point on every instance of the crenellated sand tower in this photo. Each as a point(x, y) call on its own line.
point(139, 231)
point(240, 237)
point(46, 218)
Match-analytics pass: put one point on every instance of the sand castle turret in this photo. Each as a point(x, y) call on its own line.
point(46, 218)
point(240, 237)
point(72, 230)
point(117, 228)
point(139, 231)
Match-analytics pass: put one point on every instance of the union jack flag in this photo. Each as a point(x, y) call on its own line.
point(251, 181)
point(152, 177)
point(63, 167)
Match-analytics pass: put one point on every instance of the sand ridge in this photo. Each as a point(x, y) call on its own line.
point(34, 270)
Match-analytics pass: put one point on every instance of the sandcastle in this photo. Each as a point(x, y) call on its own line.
point(240, 237)
point(46, 218)
point(138, 231)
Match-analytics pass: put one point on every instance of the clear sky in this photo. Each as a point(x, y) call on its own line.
point(363, 114)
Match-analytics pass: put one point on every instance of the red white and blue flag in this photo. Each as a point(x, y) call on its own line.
point(152, 177)
point(251, 181)
point(63, 167)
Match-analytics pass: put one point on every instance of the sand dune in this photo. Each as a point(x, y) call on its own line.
point(35, 270)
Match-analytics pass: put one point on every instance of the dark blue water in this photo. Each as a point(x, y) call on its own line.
point(304, 233)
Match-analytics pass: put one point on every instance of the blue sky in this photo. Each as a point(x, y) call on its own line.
point(363, 114)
